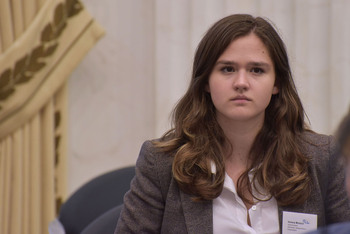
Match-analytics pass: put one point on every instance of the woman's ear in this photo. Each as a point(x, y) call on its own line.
point(207, 89)
point(275, 90)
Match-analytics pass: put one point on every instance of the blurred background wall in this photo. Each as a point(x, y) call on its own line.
point(123, 91)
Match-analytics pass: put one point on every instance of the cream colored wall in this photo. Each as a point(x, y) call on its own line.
point(111, 93)
point(123, 91)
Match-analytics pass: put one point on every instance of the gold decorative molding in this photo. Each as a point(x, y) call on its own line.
point(59, 198)
point(26, 67)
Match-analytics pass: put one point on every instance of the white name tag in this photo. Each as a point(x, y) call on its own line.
point(293, 222)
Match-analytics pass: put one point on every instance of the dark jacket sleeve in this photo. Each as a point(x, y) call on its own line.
point(143, 204)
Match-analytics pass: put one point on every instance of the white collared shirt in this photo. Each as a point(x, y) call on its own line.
point(230, 213)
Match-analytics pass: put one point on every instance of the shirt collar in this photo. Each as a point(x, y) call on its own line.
point(229, 184)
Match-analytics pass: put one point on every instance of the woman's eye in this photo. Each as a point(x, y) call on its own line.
point(257, 70)
point(227, 69)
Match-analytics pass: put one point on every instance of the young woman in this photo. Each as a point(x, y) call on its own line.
point(239, 154)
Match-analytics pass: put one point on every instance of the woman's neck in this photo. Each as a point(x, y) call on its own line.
point(240, 136)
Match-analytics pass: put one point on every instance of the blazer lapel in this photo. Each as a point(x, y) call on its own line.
point(198, 215)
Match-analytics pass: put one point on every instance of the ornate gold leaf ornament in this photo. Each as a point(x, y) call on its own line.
point(25, 68)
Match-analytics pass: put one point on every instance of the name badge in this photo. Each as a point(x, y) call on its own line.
point(293, 222)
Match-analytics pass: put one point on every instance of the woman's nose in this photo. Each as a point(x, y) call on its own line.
point(241, 81)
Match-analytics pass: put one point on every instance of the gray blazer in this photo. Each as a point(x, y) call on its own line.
point(155, 204)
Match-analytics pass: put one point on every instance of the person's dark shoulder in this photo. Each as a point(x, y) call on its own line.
point(338, 228)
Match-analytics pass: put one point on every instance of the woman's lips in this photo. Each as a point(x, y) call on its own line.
point(241, 98)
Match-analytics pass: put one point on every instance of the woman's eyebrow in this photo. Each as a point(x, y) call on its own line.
point(225, 62)
point(259, 64)
point(254, 64)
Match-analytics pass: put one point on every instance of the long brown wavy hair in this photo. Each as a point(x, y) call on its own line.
point(196, 139)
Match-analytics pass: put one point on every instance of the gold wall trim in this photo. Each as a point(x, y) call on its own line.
point(28, 65)
point(64, 39)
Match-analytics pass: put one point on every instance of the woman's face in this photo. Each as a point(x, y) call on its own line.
point(242, 81)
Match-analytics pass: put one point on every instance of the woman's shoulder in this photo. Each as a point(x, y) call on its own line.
point(154, 166)
point(316, 142)
point(317, 139)
point(153, 161)
point(151, 153)
point(319, 148)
